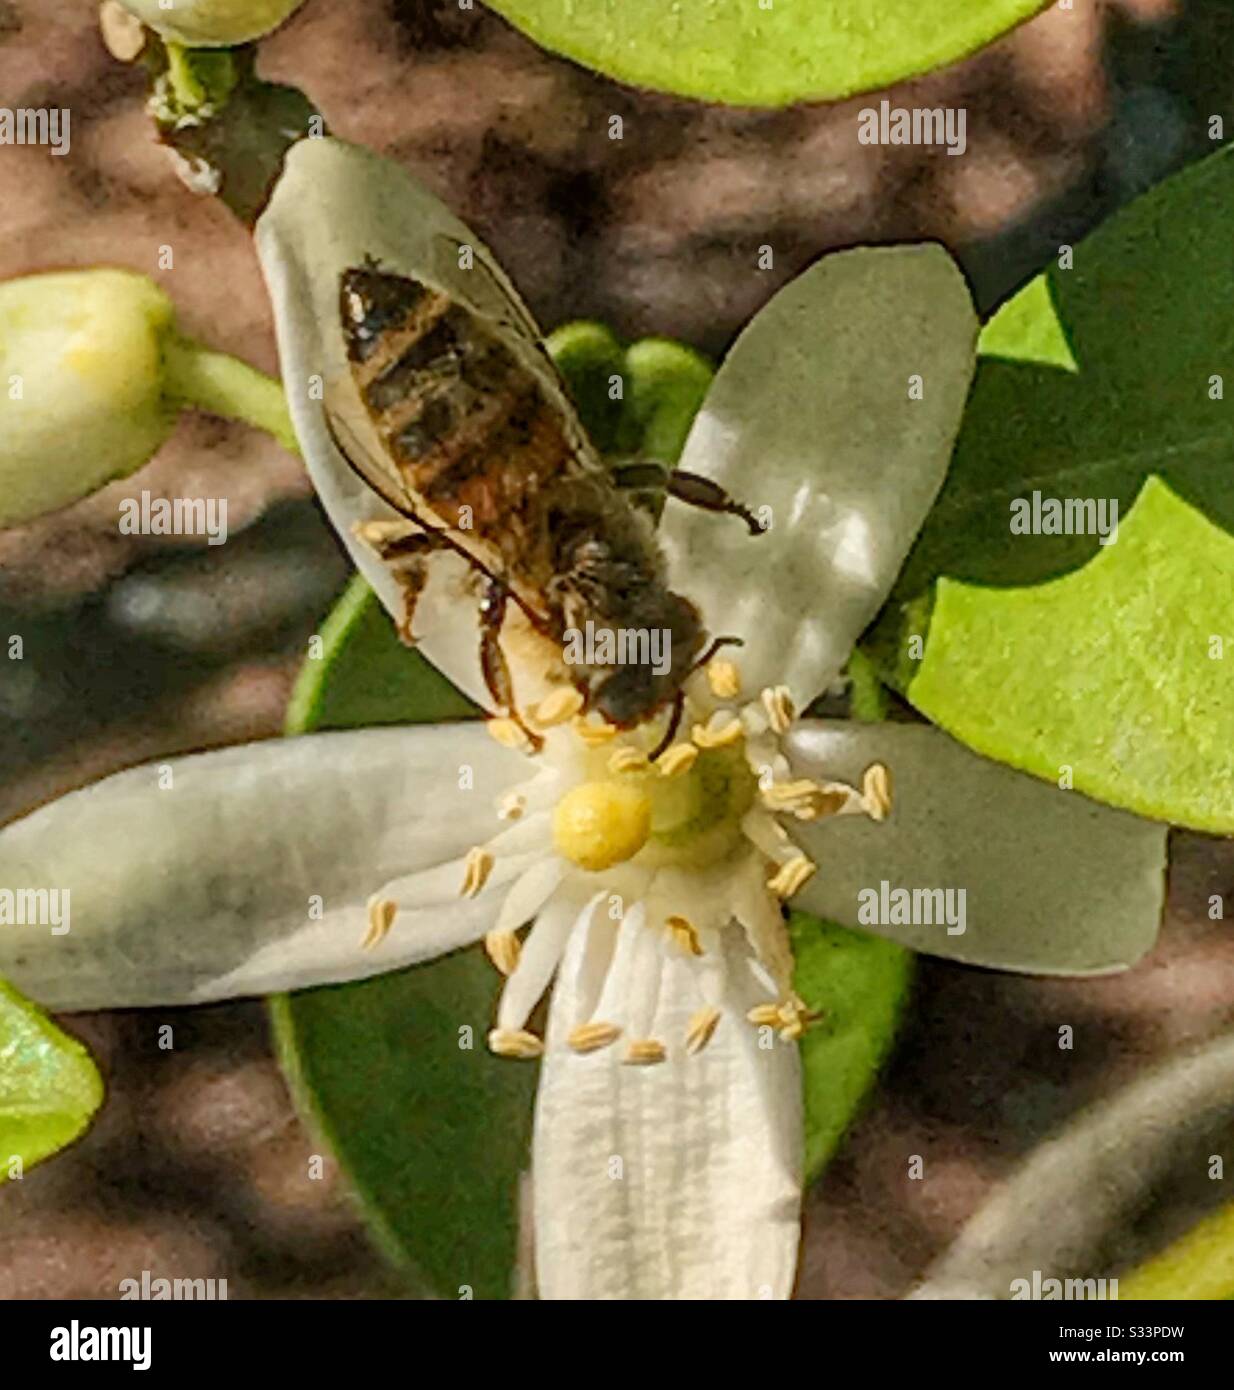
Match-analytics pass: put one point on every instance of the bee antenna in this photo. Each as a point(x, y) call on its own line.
point(713, 648)
point(679, 706)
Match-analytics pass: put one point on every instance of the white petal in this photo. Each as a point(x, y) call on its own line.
point(203, 890)
point(334, 205)
point(1054, 883)
point(707, 1200)
point(810, 416)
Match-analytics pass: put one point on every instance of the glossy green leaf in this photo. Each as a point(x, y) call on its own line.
point(1110, 673)
point(858, 985)
point(432, 1133)
point(764, 52)
point(49, 1085)
point(1051, 652)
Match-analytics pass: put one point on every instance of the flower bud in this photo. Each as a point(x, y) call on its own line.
point(81, 385)
point(212, 23)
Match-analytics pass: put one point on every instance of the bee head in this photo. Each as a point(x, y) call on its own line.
point(635, 692)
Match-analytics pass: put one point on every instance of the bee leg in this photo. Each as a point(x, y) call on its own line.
point(493, 664)
point(711, 497)
point(405, 549)
point(691, 488)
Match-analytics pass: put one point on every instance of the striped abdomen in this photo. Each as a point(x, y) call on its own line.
point(467, 424)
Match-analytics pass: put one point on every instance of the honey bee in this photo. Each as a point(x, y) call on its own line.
point(479, 449)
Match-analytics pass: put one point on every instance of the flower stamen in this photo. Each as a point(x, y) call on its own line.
point(805, 799)
point(678, 759)
point(722, 730)
point(627, 759)
point(512, 806)
point(684, 933)
point(792, 876)
point(593, 734)
point(591, 1037)
point(510, 734)
point(476, 869)
point(700, 1029)
point(503, 950)
point(558, 707)
point(876, 791)
point(723, 678)
point(515, 1042)
point(646, 1052)
point(381, 914)
point(780, 708)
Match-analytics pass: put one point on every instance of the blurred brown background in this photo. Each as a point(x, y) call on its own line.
point(141, 646)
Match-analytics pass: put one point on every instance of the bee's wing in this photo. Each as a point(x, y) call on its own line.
point(371, 463)
point(477, 281)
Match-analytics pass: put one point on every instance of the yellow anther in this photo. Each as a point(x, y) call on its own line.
point(684, 933)
point(723, 678)
point(780, 708)
point(591, 1037)
point(792, 876)
point(722, 734)
point(476, 869)
point(557, 707)
point(795, 1017)
point(593, 734)
point(805, 799)
point(627, 759)
point(512, 806)
point(765, 1015)
point(680, 758)
point(509, 734)
point(599, 824)
point(876, 790)
point(503, 950)
point(644, 1053)
point(514, 1042)
point(700, 1029)
point(382, 532)
point(381, 914)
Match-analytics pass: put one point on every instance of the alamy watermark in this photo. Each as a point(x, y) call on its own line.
point(78, 1343)
point(922, 125)
point(35, 907)
point(622, 646)
point(1039, 1287)
point(1074, 516)
point(174, 516)
point(160, 1290)
point(886, 906)
point(36, 126)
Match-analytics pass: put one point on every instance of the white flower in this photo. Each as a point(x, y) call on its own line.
point(654, 890)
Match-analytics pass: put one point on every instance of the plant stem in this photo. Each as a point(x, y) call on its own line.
point(223, 385)
point(189, 92)
point(1199, 1265)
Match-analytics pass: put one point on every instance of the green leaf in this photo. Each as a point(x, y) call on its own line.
point(1107, 671)
point(764, 52)
point(432, 1135)
point(49, 1085)
point(1092, 381)
point(859, 985)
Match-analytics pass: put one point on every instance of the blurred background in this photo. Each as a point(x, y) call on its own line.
point(139, 646)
